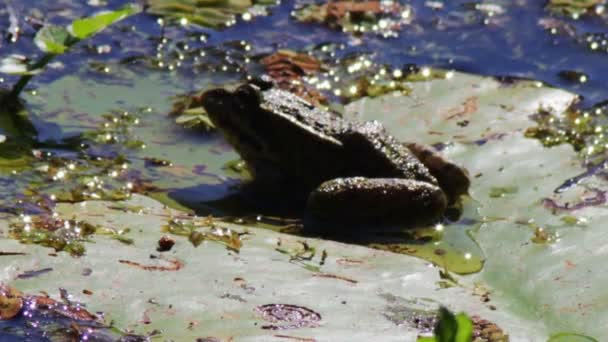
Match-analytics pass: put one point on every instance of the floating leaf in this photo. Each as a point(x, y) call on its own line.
point(573, 7)
point(571, 337)
point(210, 13)
point(53, 39)
point(86, 27)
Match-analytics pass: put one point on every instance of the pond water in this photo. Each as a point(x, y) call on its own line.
point(117, 88)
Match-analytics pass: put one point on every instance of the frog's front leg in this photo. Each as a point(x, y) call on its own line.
point(380, 200)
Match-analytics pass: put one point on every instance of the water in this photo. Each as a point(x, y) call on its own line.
point(513, 43)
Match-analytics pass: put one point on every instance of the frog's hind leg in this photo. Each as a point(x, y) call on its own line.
point(378, 200)
point(452, 178)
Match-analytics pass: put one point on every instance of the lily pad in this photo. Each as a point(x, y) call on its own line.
point(574, 7)
point(215, 290)
point(210, 13)
point(540, 281)
point(189, 291)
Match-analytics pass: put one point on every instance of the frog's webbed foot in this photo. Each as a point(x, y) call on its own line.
point(379, 200)
point(452, 178)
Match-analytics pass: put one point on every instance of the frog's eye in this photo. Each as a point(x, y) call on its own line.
point(250, 95)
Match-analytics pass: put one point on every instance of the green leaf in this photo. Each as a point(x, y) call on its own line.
point(464, 332)
point(572, 7)
point(451, 328)
point(86, 27)
point(204, 13)
point(52, 39)
point(447, 326)
point(426, 339)
point(570, 337)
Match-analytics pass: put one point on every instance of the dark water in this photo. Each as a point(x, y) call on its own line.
point(511, 43)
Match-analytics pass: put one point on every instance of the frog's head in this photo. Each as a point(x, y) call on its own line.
point(236, 114)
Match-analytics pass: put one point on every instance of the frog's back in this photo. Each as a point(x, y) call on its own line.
point(378, 154)
point(325, 146)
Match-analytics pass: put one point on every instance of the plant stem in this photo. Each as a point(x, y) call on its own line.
point(23, 81)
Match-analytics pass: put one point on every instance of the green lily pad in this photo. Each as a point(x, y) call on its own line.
point(210, 13)
point(574, 7)
point(570, 337)
point(540, 281)
point(209, 290)
point(204, 286)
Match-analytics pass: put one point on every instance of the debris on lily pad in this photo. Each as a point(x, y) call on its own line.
point(59, 234)
point(165, 243)
point(302, 253)
point(582, 128)
point(69, 235)
point(486, 331)
point(11, 302)
point(203, 229)
point(288, 316)
point(164, 264)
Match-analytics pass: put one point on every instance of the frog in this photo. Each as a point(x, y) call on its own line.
point(345, 170)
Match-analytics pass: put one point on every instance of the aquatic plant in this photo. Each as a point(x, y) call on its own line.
point(55, 40)
point(451, 328)
point(210, 13)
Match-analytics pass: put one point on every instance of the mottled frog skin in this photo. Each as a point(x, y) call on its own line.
point(349, 170)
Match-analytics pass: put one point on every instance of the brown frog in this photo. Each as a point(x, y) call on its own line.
point(348, 170)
